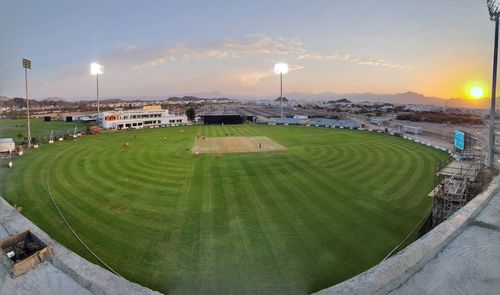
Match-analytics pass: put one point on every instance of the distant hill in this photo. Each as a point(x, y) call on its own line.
point(184, 98)
point(53, 99)
point(398, 98)
point(342, 100)
point(113, 100)
point(408, 97)
point(19, 102)
point(281, 99)
point(188, 98)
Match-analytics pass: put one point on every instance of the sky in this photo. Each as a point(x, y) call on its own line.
point(163, 48)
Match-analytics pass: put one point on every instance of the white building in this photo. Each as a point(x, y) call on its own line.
point(7, 145)
point(379, 121)
point(412, 129)
point(147, 117)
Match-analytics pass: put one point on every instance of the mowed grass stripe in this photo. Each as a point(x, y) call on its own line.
point(328, 216)
point(417, 160)
point(260, 233)
point(357, 210)
point(250, 227)
point(267, 238)
point(393, 162)
point(336, 202)
point(269, 204)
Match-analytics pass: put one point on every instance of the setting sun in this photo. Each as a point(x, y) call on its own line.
point(476, 92)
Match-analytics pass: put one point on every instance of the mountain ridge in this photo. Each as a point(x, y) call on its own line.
point(408, 97)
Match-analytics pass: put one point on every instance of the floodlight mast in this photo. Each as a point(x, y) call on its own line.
point(281, 68)
point(494, 11)
point(26, 66)
point(96, 70)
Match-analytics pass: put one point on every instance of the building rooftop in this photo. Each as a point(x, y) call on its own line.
point(335, 123)
point(289, 121)
point(6, 140)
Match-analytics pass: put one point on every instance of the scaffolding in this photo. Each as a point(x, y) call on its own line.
point(457, 182)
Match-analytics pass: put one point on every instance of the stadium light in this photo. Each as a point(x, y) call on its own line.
point(493, 8)
point(494, 11)
point(281, 68)
point(96, 70)
point(26, 66)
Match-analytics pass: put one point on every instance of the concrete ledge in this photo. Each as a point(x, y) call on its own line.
point(90, 276)
point(391, 273)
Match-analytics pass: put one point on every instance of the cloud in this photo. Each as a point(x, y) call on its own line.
point(127, 47)
point(255, 44)
point(352, 58)
point(135, 57)
point(262, 44)
point(253, 78)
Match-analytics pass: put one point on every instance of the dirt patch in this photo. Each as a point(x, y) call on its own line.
point(119, 209)
point(235, 144)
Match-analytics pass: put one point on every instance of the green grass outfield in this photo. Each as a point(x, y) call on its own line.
point(39, 128)
point(293, 222)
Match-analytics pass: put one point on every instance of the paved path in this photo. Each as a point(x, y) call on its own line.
point(470, 264)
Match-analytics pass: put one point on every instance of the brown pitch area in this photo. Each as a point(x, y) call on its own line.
point(235, 144)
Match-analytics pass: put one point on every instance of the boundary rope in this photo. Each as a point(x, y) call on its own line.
point(412, 231)
point(66, 221)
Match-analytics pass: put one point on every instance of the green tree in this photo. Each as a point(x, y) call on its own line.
point(190, 113)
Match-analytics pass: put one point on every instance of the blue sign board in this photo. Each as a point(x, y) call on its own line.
point(459, 139)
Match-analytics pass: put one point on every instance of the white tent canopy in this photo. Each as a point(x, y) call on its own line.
point(6, 145)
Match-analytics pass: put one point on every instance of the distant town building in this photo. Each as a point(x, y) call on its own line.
point(386, 107)
point(277, 101)
point(340, 103)
point(379, 121)
point(334, 123)
point(412, 129)
point(286, 121)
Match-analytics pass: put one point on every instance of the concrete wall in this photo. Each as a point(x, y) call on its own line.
point(391, 273)
point(90, 276)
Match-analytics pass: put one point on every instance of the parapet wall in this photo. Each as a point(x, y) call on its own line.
point(88, 275)
point(391, 273)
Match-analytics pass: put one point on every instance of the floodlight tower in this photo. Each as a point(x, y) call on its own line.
point(26, 66)
point(96, 70)
point(281, 68)
point(494, 11)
